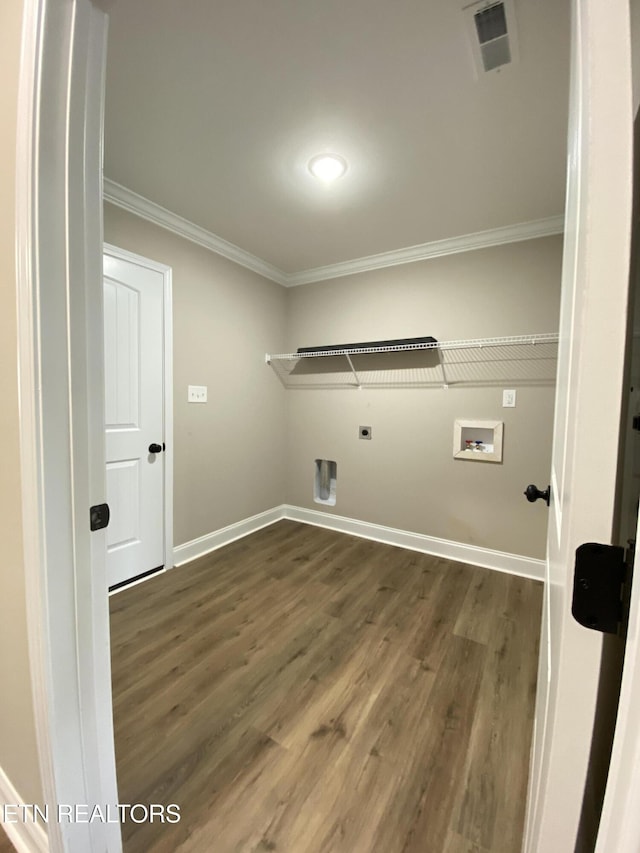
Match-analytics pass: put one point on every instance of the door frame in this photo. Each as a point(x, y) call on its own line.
point(167, 391)
point(59, 269)
point(619, 830)
point(61, 363)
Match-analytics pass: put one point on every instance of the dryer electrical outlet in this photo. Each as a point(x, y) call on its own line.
point(197, 394)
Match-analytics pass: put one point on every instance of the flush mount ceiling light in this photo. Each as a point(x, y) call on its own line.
point(327, 167)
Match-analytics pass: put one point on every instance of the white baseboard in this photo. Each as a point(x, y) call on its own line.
point(205, 544)
point(500, 561)
point(26, 836)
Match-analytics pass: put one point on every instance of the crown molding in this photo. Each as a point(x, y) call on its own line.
point(436, 249)
point(139, 205)
point(133, 203)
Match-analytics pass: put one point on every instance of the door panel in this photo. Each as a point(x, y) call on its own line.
point(122, 353)
point(123, 488)
point(587, 421)
point(619, 830)
point(134, 405)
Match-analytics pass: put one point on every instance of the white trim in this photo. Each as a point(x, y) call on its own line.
point(541, 714)
point(132, 257)
point(58, 238)
point(168, 419)
point(619, 828)
point(435, 249)
point(26, 836)
point(212, 541)
point(133, 203)
point(514, 564)
point(152, 212)
point(85, 445)
point(28, 371)
point(167, 313)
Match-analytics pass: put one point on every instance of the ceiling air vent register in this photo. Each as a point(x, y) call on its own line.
point(491, 29)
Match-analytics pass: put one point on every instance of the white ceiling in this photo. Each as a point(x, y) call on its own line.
point(214, 108)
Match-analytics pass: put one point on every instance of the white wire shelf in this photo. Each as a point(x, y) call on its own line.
point(527, 359)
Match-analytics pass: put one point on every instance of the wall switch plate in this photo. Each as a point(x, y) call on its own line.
point(365, 432)
point(509, 399)
point(197, 394)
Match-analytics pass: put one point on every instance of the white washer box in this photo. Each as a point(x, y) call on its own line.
point(478, 441)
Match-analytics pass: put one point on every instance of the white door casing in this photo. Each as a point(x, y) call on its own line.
point(135, 293)
point(619, 830)
point(588, 408)
point(59, 295)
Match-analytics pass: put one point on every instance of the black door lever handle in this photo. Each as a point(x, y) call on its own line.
point(533, 494)
point(155, 448)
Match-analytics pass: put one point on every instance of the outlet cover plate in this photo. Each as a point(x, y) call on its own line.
point(509, 399)
point(197, 394)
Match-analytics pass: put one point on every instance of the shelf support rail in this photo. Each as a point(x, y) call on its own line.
point(353, 370)
point(445, 381)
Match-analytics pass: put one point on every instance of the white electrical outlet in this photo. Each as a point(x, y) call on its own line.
point(197, 394)
point(509, 399)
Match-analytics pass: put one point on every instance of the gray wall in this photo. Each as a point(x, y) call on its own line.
point(253, 445)
point(18, 748)
point(406, 476)
point(229, 452)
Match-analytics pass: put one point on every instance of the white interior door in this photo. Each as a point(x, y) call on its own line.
point(134, 423)
point(588, 404)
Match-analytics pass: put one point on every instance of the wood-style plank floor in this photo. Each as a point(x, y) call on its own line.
point(5, 845)
point(304, 691)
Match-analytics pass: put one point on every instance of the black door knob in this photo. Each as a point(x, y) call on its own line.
point(533, 493)
point(155, 448)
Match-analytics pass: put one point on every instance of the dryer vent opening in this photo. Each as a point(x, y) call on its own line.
point(324, 482)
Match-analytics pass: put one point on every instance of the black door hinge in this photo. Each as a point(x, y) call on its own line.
point(99, 516)
point(635, 423)
point(598, 587)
